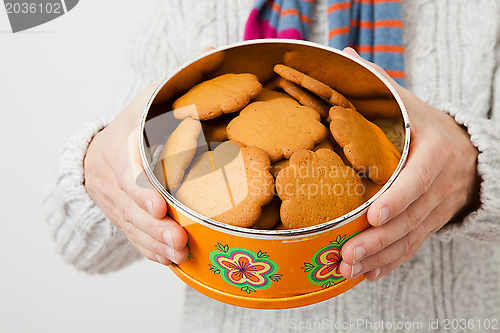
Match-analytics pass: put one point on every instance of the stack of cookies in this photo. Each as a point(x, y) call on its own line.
point(291, 155)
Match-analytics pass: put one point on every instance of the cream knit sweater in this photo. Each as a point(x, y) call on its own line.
point(452, 61)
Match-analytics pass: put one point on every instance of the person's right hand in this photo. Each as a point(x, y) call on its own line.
point(111, 168)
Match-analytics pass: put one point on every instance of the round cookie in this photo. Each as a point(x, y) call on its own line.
point(313, 85)
point(278, 128)
point(317, 187)
point(224, 94)
point(229, 184)
point(177, 154)
point(364, 144)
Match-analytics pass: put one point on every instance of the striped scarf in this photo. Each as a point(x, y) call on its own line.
point(373, 28)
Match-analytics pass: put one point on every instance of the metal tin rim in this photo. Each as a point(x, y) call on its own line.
point(274, 234)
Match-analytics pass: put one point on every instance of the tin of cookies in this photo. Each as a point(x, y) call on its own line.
point(177, 153)
point(305, 97)
point(317, 187)
point(229, 184)
point(317, 87)
point(224, 94)
point(364, 144)
point(277, 128)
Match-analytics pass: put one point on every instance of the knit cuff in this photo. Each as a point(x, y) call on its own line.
point(482, 224)
point(84, 236)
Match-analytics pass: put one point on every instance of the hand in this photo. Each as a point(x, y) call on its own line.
point(112, 167)
point(438, 181)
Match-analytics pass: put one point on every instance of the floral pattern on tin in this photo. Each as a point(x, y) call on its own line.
point(324, 268)
point(243, 268)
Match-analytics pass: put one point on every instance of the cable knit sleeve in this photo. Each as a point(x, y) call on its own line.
point(484, 223)
point(84, 236)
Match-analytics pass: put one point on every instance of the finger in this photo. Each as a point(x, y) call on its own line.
point(438, 217)
point(405, 248)
point(375, 239)
point(415, 179)
point(165, 231)
point(151, 255)
point(129, 176)
point(138, 236)
point(207, 49)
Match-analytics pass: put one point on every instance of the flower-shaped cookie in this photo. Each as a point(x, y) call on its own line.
point(317, 187)
point(229, 184)
point(278, 126)
point(224, 94)
point(177, 153)
point(365, 145)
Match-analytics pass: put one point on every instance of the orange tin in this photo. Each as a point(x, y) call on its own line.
point(267, 269)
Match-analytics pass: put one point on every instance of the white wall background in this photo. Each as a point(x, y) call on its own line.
point(52, 79)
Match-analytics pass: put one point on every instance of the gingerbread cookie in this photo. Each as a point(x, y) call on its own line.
point(317, 187)
point(177, 154)
point(370, 188)
point(364, 144)
point(313, 85)
point(277, 128)
point(305, 97)
point(214, 130)
point(268, 95)
point(343, 74)
point(229, 184)
point(224, 94)
point(280, 226)
point(270, 215)
point(280, 165)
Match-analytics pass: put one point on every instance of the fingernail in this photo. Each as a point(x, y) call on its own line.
point(357, 254)
point(383, 214)
point(159, 259)
point(168, 238)
point(355, 270)
point(171, 253)
point(377, 272)
point(149, 206)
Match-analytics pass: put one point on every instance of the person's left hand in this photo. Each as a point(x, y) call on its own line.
point(438, 181)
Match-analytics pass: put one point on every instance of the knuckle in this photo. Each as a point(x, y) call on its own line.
point(424, 179)
point(130, 230)
point(413, 219)
point(126, 207)
point(409, 242)
point(378, 261)
point(382, 240)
